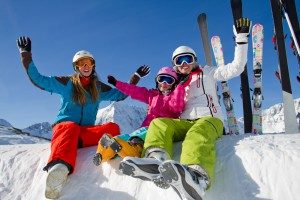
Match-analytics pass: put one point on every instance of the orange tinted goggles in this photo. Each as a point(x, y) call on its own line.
point(85, 62)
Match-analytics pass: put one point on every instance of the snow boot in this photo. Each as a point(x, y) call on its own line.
point(110, 147)
point(146, 168)
point(57, 177)
point(189, 182)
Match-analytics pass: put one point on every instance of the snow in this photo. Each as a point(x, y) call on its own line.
point(248, 167)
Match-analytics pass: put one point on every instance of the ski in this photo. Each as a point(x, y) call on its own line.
point(290, 14)
point(205, 43)
point(227, 100)
point(277, 74)
point(293, 47)
point(204, 37)
point(288, 8)
point(290, 120)
point(257, 44)
point(236, 7)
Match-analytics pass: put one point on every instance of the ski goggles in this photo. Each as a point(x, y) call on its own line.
point(85, 62)
point(165, 79)
point(187, 58)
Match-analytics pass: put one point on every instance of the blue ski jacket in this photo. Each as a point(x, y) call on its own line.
point(70, 111)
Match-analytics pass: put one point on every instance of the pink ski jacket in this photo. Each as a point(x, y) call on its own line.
point(160, 105)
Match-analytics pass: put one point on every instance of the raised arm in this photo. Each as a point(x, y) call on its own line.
point(49, 83)
point(138, 93)
point(236, 67)
point(113, 94)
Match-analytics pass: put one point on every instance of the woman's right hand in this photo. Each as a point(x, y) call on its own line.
point(24, 44)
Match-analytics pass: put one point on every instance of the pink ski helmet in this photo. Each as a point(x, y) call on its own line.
point(168, 71)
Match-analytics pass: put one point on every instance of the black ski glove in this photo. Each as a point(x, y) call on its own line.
point(241, 30)
point(143, 71)
point(243, 25)
point(24, 44)
point(112, 80)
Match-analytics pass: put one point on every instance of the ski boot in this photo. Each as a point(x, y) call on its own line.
point(56, 179)
point(189, 182)
point(109, 147)
point(104, 152)
point(146, 168)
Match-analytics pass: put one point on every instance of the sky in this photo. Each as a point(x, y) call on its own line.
point(122, 35)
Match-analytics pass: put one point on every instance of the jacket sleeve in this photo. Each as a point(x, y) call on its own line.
point(138, 93)
point(176, 102)
point(108, 93)
point(235, 68)
point(48, 83)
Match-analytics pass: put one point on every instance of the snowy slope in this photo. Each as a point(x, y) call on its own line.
point(273, 118)
point(129, 117)
point(3, 122)
point(43, 130)
point(248, 167)
point(10, 135)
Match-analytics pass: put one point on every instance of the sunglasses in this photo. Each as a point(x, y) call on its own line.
point(165, 79)
point(187, 58)
point(89, 63)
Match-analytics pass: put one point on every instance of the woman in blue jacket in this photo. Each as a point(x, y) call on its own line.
point(74, 126)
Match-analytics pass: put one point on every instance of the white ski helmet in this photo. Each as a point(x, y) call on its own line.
point(82, 54)
point(183, 50)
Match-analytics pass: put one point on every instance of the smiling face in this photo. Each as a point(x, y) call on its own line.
point(85, 66)
point(163, 87)
point(185, 68)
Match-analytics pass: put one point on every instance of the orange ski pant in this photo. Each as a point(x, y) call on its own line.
point(68, 136)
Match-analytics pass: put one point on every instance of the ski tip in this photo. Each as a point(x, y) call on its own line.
point(258, 25)
point(215, 38)
point(201, 16)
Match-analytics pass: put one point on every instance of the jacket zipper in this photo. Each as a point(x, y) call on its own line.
point(81, 115)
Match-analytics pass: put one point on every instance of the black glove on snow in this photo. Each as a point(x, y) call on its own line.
point(143, 70)
point(24, 44)
point(111, 80)
point(243, 25)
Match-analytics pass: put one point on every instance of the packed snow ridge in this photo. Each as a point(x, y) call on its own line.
point(248, 166)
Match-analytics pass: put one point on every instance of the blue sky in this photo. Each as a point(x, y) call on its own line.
point(122, 35)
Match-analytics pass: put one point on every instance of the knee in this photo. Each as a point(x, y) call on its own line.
point(113, 128)
point(216, 123)
point(66, 127)
point(161, 123)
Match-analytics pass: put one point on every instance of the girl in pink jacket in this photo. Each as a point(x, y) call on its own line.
point(166, 100)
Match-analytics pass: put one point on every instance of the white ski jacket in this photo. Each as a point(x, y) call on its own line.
point(201, 95)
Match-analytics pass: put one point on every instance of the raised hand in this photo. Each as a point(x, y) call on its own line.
point(111, 80)
point(143, 71)
point(243, 25)
point(24, 44)
point(242, 30)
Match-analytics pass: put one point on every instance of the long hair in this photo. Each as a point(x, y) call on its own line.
point(79, 92)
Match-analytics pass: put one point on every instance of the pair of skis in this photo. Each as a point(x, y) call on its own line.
point(289, 9)
point(257, 38)
point(257, 42)
point(227, 100)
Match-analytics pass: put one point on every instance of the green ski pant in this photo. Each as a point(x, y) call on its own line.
point(198, 136)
